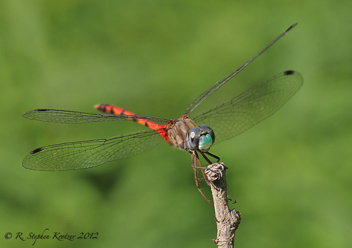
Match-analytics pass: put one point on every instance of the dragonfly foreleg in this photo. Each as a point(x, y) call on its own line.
point(195, 158)
point(212, 155)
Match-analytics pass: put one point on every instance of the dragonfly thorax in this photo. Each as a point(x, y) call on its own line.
point(184, 134)
point(177, 132)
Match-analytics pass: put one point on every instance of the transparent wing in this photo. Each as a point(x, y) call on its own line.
point(75, 117)
point(90, 153)
point(249, 108)
point(207, 93)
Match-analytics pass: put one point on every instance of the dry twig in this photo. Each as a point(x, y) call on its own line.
point(227, 220)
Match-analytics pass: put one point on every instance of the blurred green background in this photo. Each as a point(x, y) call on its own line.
point(291, 174)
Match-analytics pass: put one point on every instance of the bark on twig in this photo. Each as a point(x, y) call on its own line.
point(227, 220)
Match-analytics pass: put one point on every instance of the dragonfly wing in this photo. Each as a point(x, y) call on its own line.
point(249, 108)
point(207, 93)
point(90, 153)
point(75, 117)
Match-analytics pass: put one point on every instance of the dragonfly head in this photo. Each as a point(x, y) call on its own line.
point(200, 138)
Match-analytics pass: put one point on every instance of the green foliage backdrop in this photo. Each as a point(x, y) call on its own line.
point(291, 175)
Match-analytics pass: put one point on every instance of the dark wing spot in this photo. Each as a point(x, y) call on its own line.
point(37, 150)
point(291, 27)
point(42, 109)
point(289, 72)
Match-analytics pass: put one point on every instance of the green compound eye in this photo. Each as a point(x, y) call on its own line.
point(205, 142)
point(200, 138)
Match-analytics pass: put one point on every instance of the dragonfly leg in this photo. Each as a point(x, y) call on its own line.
point(202, 169)
point(206, 158)
point(195, 158)
point(214, 156)
point(194, 164)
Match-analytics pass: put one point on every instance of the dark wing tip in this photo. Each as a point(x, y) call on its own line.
point(289, 72)
point(29, 113)
point(291, 27)
point(37, 150)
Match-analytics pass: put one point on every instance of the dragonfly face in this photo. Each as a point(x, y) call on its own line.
point(200, 138)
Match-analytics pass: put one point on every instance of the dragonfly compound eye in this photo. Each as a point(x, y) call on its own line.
point(193, 138)
point(200, 138)
point(206, 139)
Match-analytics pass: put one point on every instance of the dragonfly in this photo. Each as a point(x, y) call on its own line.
point(218, 123)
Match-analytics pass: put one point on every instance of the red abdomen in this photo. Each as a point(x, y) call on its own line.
point(110, 109)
